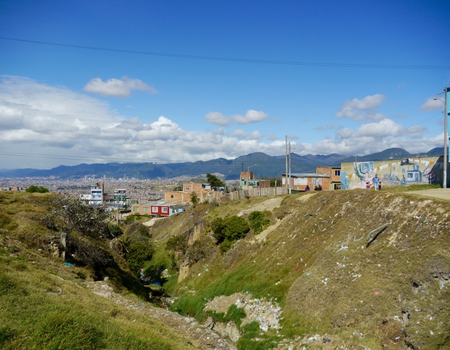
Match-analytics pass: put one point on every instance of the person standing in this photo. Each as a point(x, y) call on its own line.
point(376, 181)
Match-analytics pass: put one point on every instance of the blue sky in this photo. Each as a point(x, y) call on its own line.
point(170, 81)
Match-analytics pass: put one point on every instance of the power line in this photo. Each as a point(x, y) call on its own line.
point(235, 59)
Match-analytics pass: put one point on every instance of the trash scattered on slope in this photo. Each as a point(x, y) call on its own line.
point(342, 249)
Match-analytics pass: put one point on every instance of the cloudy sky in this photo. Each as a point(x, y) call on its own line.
point(174, 81)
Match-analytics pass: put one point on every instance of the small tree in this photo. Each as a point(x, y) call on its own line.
point(214, 181)
point(194, 199)
point(85, 228)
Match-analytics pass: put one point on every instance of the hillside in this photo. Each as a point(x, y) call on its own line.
point(349, 269)
point(334, 286)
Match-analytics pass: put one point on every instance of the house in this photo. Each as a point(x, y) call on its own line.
point(96, 196)
point(328, 178)
point(156, 209)
point(247, 181)
point(204, 191)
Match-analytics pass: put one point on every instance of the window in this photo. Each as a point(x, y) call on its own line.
point(154, 209)
point(171, 196)
point(164, 210)
point(300, 181)
point(337, 173)
point(135, 208)
point(145, 209)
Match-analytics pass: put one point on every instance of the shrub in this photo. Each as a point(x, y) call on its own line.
point(36, 189)
point(197, 252)
point(177, 243)
point(235, 228)
point(115, 230)
point(138, 247)
point(229, 230)
point(259, 220)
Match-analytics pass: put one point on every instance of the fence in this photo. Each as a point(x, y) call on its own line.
point(256, 192)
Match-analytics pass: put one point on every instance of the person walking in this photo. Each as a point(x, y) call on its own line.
point(375, 181)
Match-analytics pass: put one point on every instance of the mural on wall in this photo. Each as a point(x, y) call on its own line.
point(403, 172)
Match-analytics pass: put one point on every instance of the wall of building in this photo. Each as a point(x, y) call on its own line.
point(333, 172)
point(407, 171)
point(176, 197)
point(184, 197)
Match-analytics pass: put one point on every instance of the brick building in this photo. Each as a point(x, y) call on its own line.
point(204, 192)
point(328, 178)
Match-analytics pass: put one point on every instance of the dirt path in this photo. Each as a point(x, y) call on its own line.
point(201, 337)
point(442, 193)
point(269, 204)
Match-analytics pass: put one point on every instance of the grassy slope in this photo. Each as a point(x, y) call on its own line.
point(44, 303)
point(361, 289)
point(404, 271)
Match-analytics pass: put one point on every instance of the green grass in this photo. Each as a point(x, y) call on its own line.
point(40, 310)
point(44, 303)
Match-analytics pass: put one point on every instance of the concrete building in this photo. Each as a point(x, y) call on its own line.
point(248, 182)
point(96, 196)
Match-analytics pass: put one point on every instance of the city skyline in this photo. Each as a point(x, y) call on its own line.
point(84, 82)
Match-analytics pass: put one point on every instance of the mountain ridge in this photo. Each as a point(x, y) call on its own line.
point(263, 166)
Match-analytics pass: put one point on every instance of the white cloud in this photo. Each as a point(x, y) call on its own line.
point(322, 127)
point(55, 121)
point(217, 118)
point(432, 105)
point(384, 128)
point(10, 118)
point(117, 87)
point(251, 116)
point(344, 133)
point(60, 124)
point(376, 137)
point(255, 135)
point(357, 109)
point(240, 134)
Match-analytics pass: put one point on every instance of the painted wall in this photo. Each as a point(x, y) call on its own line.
point(407, 171)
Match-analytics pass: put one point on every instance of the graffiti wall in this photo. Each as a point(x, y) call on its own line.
point(406, 171)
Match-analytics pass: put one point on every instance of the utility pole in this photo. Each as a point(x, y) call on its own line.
point(290, 190)
point(446, 113)
point(286, 173)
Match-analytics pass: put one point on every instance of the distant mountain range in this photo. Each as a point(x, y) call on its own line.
point(263, 166)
